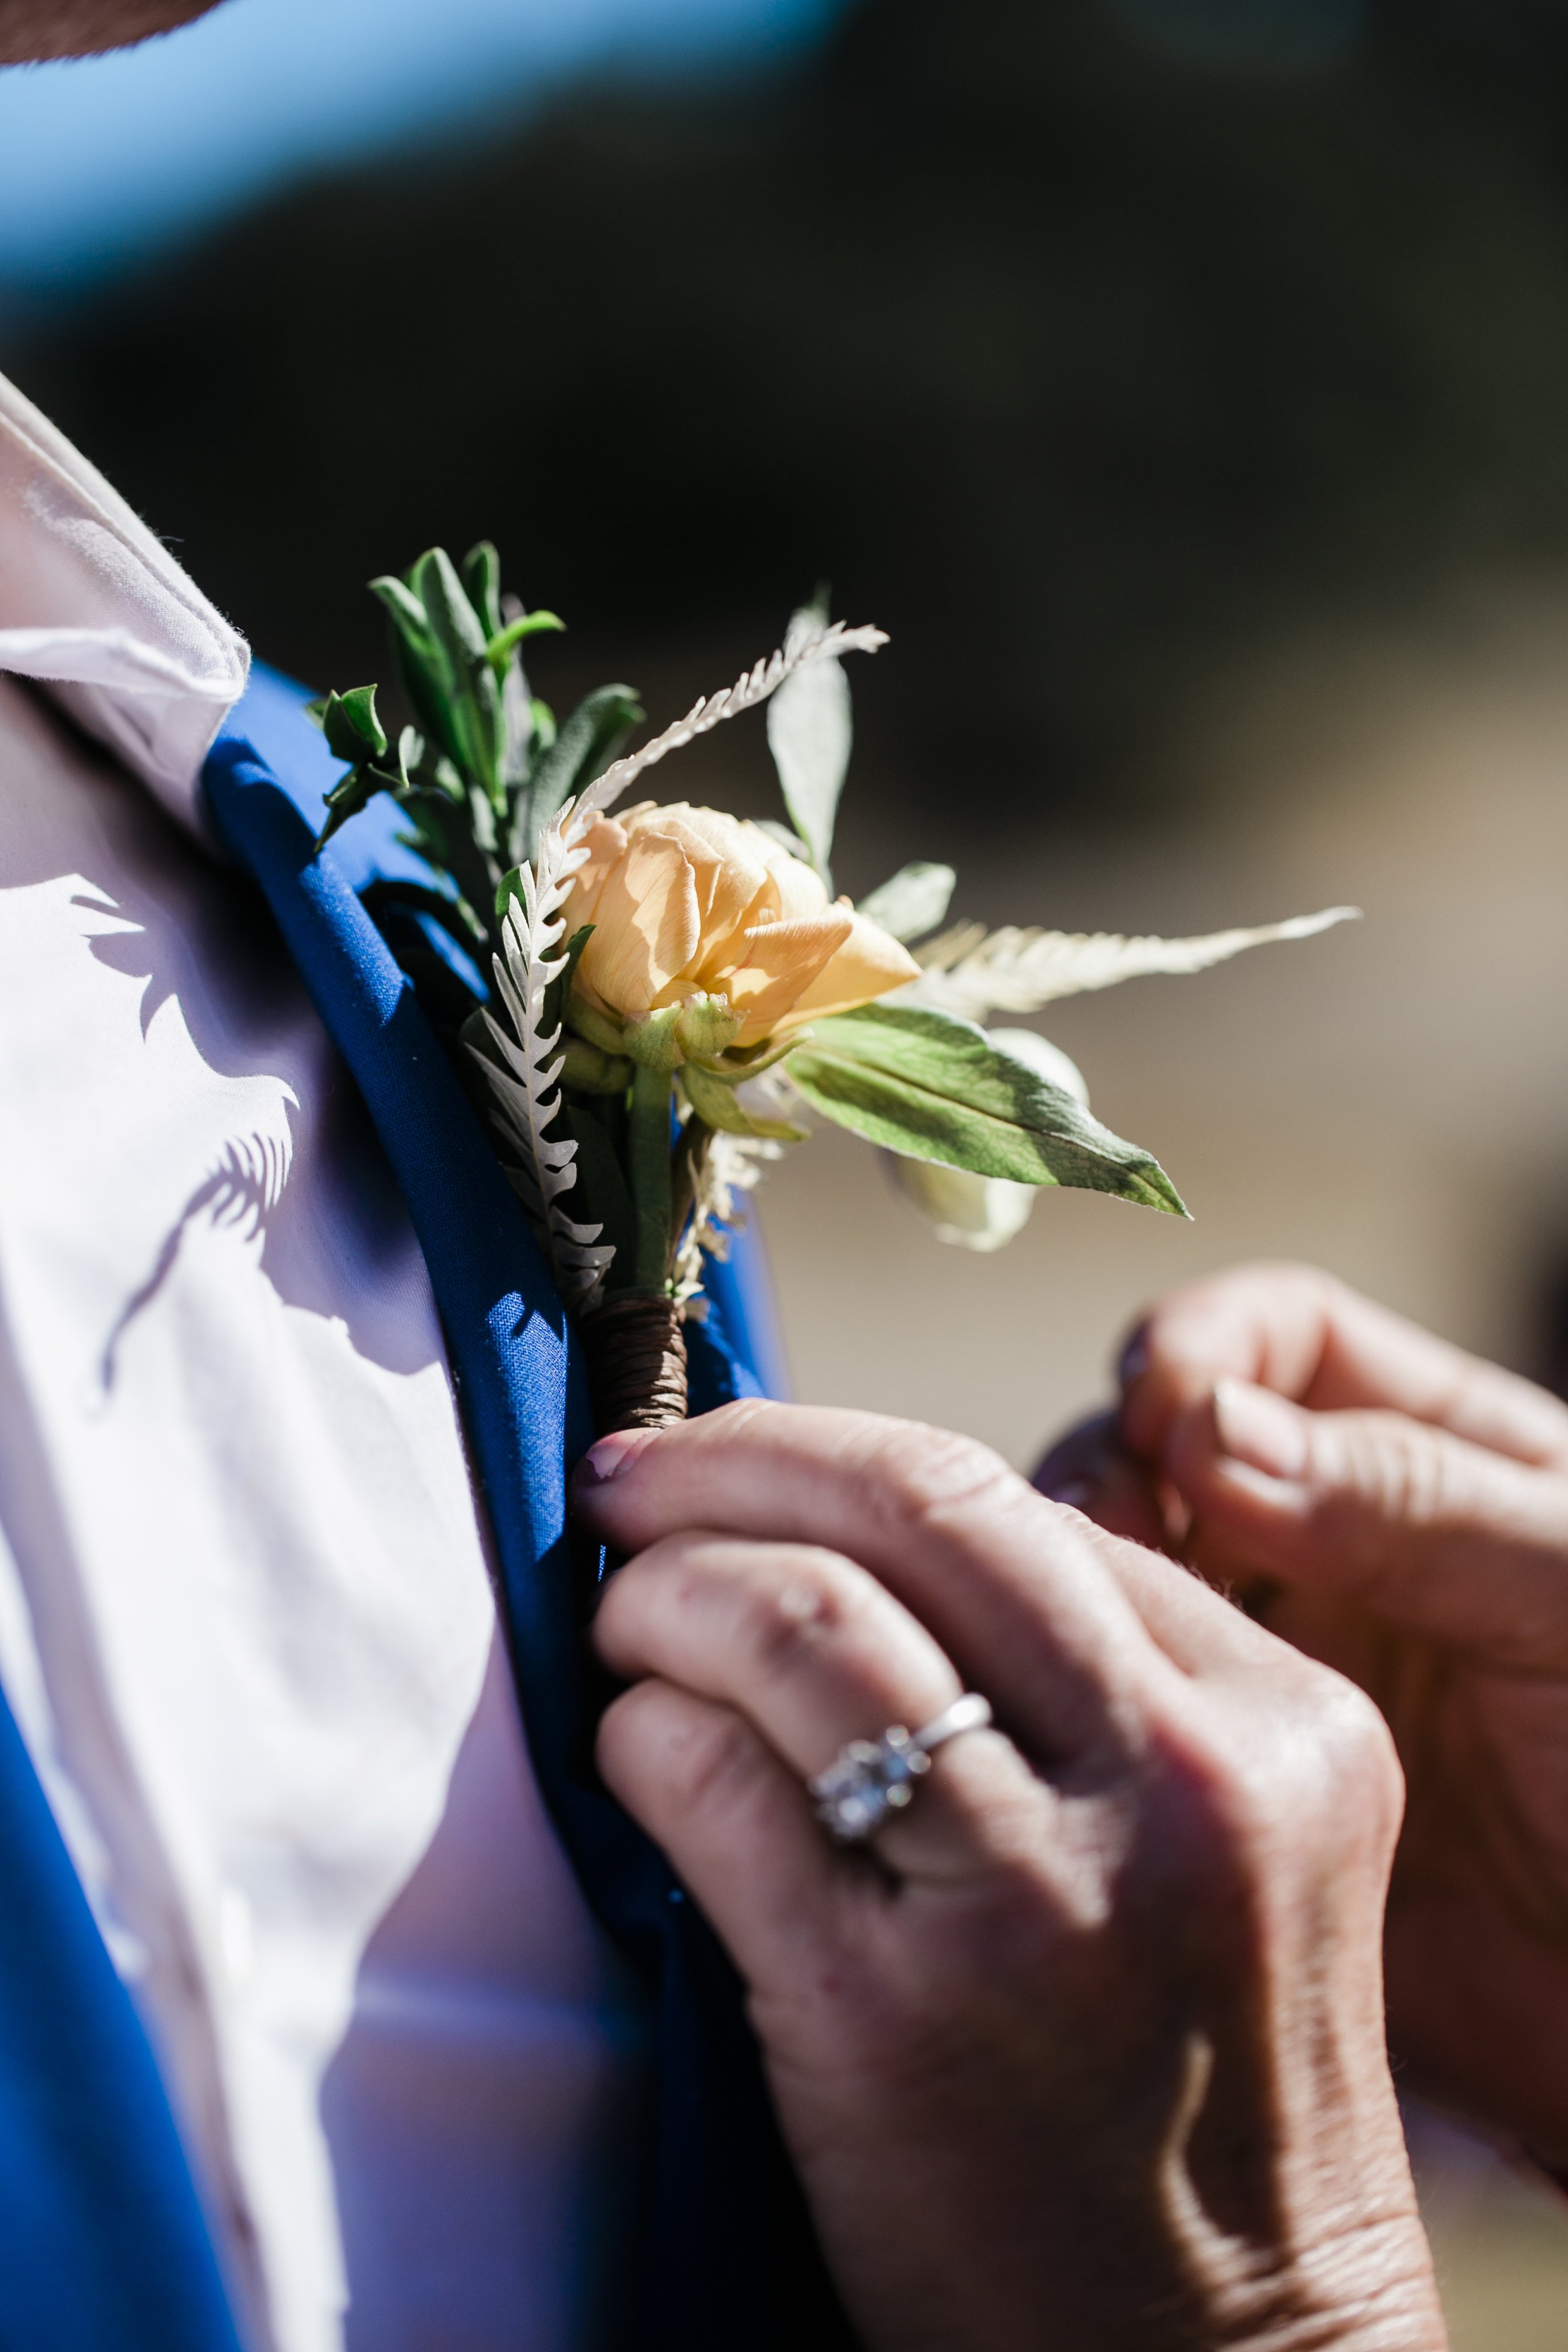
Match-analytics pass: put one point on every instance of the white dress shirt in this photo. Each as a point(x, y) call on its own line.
point(247, 1619)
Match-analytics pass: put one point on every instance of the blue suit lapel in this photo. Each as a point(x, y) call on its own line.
point(730, 2257)
point(101, 2239)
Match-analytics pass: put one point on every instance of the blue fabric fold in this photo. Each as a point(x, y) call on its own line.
point(728, 2257)
point(102, 2242)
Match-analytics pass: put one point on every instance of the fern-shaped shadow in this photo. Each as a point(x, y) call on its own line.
point(241, 1191)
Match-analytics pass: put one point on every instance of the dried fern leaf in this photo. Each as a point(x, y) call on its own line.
point(731, 1164)
point(753, 687)
point(973, 973)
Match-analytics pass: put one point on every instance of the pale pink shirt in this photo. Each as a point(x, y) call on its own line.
point(247, 1619)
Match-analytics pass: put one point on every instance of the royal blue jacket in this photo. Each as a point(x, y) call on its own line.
point(102, 2246)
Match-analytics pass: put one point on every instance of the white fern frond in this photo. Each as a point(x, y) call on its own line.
point(525, 1090)
point(709, 711)
point(974, 972)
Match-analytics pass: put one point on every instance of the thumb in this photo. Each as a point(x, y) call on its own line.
point(1417, 1526)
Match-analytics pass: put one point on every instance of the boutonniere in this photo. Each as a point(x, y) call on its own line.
point(648, 1001)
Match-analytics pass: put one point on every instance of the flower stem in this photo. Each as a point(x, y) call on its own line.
point(637, 1362)
point(649, 1157)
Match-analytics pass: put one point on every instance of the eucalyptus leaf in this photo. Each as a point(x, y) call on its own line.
point(810, 732)
point(912, 902)
point(934, 1087)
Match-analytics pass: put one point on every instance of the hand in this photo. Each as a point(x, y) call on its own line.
point(1089, 2049)
point(1404, 1517)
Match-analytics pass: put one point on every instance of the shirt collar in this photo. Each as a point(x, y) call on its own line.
point(96, 609)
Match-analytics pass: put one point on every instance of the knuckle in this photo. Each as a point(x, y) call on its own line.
point(791, 1616)
point(924, 1475)
point(1399, 1472)
point(1305, 1765)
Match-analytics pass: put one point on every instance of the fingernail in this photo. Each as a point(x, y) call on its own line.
point(1074, 1492)
point(609, 1457)
point(1133, 1361)
point(1259, 1429)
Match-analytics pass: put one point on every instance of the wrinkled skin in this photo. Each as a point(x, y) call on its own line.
point(1090, 2049)
point(1399, 1510)
point(32, 30)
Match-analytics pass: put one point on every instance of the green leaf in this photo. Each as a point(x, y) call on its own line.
point(601, 1195)
point(348, 796)
point(408, 613)
point(481, 579)
point(717, 1105)
point(914, 901)
point(474, 711)
point(587, 744)
point(444, 996)
point(933, 1088)
point(421, 666)
point(648, 1169)
point(349, 723)
point(810, 731)
point(586, 1070)
point(504, 641)
point(455, 917)
point(553, 1012)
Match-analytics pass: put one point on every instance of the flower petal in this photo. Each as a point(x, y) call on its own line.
point(729, 874)
point(780, 960)
point(868, 965)
point(606, 844)
point(647, 929)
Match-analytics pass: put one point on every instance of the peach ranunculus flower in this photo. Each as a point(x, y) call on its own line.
point(687, 902)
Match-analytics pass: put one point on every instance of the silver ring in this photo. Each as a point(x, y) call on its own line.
point(871, 1778)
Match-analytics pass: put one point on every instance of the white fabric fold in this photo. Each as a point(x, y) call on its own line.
point(246, 1621)
point(94, 607)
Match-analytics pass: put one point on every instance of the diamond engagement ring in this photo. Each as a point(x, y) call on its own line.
point(871, 1778)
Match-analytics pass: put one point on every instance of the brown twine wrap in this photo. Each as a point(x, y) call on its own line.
point(637, 1363)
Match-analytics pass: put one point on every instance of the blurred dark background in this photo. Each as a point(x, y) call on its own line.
point(1093, 349)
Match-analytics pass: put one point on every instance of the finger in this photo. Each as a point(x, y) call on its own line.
point(813, 1652)
point(1198, 1627)
point(711, 1794)
point(1308, 1338)
point(1417, 1526)
point(1006, 1583)
point(1093, 1470)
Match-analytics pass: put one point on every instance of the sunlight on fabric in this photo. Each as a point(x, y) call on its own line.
point(104, 159)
